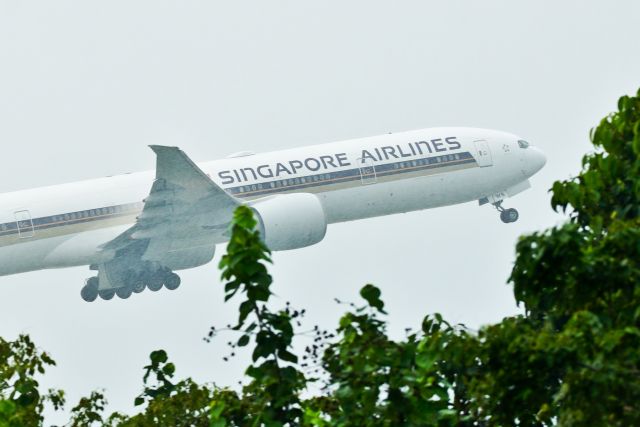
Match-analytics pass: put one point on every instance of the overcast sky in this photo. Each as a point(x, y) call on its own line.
point(86, 86)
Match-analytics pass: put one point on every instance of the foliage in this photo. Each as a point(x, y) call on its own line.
point(21, 402)
point(272, 396)
point(89, 410)
point(579, 342)
point(608, 188)
point(378, 381)
point(184, 403)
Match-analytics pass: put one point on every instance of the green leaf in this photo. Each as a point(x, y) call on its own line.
point(287, 356)
point(426, 360)
point(372, 295)
point(169, 369)
point(158, 356)
point(243, 341)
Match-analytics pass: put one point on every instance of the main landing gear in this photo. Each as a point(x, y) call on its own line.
point(135, 283)
point(506, 215)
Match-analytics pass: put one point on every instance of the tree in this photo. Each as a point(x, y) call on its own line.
point(579, 285)
point(272, 396)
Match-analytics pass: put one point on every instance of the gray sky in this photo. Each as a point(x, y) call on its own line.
point(86, 86)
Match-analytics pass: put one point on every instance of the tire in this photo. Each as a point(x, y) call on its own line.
point(513, 215)
point(107, 294)
point(504, 217)
point(172, 281)
point(135, 281)
point(89, 291)
point(138, 286)
point(124, 292)
point(155, 283)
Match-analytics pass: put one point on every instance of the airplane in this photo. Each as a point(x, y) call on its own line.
point(136, 230)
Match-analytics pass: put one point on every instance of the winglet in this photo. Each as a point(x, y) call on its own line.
point(172, 164)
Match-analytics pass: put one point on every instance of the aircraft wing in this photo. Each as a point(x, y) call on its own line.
point(185, 211)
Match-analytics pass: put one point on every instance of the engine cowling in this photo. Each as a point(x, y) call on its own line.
point(291, 221)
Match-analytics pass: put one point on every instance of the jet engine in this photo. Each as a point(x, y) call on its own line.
point(290, 221)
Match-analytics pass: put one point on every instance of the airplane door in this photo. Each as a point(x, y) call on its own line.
point(24, 223)
point(484, 154)
point(367, 171)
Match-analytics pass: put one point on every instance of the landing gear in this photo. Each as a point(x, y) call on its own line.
point(506, 215)
point(130, 283)
point(89, 291)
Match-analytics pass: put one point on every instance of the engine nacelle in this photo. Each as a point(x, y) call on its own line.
point(291, 221)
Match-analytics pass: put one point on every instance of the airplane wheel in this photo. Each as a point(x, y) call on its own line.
point(155, 283)
point(172, 281)
point(124, 292)
point(106, 294)
point(509, 215)
point(89, 291)
point(138, 286)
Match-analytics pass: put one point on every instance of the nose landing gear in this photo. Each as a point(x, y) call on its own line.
point(506, 215)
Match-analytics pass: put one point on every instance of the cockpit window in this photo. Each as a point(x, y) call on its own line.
point(522, 143)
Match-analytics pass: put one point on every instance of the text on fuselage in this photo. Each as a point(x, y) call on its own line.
point(339, 160)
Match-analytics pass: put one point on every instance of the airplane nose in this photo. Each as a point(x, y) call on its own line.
point(535, 159)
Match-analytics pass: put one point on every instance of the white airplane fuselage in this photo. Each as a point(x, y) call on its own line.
point(67, 225)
